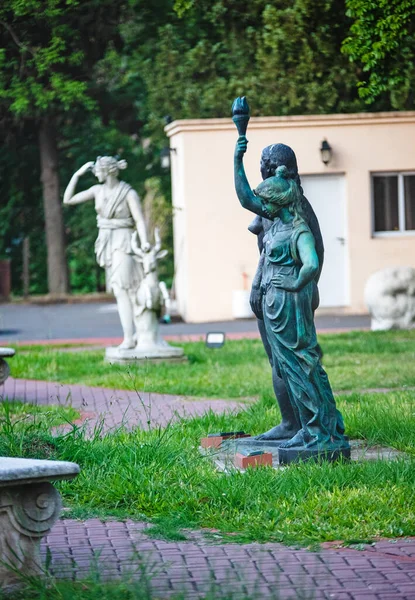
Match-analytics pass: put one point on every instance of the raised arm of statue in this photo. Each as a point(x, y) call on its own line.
point(70, 197)
point(243, 190)
point(134, 204)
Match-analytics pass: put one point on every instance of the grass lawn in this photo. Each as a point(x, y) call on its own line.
point(354, 361)
point(20, 415)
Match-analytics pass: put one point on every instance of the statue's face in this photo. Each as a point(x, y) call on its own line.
point(265, 171)
point(100, 173)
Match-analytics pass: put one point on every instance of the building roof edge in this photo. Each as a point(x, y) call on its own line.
point(327, 120)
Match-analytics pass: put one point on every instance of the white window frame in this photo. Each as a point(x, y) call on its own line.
point(401, 204)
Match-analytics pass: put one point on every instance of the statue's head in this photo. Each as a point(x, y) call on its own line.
point(107, 165)
point(278, 191)
point(276, 155)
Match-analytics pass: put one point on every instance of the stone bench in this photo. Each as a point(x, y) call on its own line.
point(29, 507)
point(4, 367)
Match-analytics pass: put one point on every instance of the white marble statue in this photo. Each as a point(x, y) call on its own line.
point(119, 215)
point(122, 248)
point(390, 298)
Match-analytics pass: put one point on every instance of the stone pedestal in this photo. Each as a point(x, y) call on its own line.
point(155, 353)
point(29, 507)
point(224, 456)
point(292, 455)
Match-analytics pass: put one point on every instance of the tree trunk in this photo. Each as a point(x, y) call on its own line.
point(55, 234)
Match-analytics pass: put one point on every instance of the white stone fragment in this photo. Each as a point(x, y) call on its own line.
point(390, 298)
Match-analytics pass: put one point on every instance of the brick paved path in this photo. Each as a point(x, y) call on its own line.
point(112, 406)
point(385, 571)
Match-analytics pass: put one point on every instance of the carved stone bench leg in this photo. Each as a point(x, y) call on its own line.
point(27, 513)
point(4, 370)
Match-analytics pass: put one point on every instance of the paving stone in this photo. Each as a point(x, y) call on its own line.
point(365, 596)
point(394, 596)
point(406, 588)
point(373, 575)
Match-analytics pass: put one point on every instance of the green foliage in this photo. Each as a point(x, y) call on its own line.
point(62, 60)
point(286, 59)
point(21, 212)
point(382, 39)
point(25, 427)
point(47, 49)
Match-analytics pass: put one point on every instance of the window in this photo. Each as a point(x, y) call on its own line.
point(393, 202)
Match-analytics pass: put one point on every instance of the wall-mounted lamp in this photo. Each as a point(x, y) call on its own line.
point(165, 157)
point(325, 152)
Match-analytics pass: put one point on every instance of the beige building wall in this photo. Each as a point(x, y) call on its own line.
point(213, 248)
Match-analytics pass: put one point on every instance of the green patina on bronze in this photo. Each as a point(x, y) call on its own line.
point(289, 297)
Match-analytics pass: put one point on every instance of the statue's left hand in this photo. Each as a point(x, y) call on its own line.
point(286, 282)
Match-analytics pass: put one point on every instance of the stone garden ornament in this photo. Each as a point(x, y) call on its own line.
point(390, 298)
point(29, 507)
point(4, 367)
point(284, 298)
point(121, 224)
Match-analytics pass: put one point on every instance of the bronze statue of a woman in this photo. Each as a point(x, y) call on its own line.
point(288, 282)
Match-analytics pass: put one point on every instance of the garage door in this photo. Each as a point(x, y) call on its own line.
point(327, 195)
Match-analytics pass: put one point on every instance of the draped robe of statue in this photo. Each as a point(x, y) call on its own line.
point(289, 322)
point(113, 245)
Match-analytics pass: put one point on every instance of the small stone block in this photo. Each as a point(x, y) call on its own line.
point(254, 460)
point(211, 442)
point(300, 454)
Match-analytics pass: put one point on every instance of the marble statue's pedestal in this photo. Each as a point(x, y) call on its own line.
point(29, 507)
point(160, 352)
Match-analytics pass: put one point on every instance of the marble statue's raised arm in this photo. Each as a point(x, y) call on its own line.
point(69, 197)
